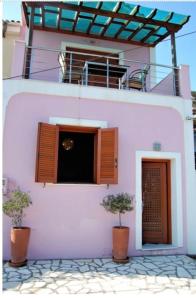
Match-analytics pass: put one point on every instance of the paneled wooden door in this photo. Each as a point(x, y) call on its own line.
point(156, 215)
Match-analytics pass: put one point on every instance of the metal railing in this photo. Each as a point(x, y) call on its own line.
point(98, 70)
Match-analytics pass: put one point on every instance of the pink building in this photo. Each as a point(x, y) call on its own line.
point(89, 113)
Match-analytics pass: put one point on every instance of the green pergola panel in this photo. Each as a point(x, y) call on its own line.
point(178, 19)
point(152, 39)
point(134, 25)
point(124, 34)
point(114, 20)
point(127, 8)
point(55, 9)
point(51, 20)
point(38, 20)
point(120, 21)
point(90, 4)
point(141, 34)
point(82, 25)
point(161, 15)
point(161, 31)
point(68, 14)
point(102, 20)
point(144, 12)
point(112, 30)
point(83, 14)
point(66, 25)
point(96, 30)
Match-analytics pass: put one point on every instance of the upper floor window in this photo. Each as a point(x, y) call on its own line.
point(73, 154)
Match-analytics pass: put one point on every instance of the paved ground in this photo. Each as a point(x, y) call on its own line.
point(171, 275)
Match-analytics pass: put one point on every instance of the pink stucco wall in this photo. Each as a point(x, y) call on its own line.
point(67, 221)
point(165, 86)
point(18, 59)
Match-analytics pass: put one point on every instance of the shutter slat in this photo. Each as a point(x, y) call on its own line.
point(107, 169)
point(47, 151)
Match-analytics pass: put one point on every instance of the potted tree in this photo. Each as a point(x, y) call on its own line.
point(119, 204)
point(13, 207)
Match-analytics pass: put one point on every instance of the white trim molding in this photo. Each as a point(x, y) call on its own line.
point(14, 87)
point(78, 122)
point(93, 47)
point(176, 195)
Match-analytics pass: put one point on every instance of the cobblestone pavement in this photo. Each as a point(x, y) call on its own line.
point(172, 275)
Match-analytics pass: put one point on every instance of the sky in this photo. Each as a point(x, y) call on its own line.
point(186, 46)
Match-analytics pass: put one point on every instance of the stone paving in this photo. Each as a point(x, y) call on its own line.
point(172, 275)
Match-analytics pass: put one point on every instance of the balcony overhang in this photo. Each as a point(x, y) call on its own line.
point(114, 21)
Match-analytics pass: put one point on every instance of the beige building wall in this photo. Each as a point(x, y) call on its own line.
point(11, 34)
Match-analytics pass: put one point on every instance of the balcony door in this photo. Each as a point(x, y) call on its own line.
point(77, 61)
point(156, 216)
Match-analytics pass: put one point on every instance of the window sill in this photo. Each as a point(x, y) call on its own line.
point(76, 184)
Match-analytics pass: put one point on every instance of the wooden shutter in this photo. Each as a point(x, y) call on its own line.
point(107, 156)
point(47, 153)
point(154, 189)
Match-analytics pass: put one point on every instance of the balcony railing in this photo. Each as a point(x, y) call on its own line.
point(77, 67)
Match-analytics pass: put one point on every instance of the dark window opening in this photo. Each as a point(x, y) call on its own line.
point(75, 157)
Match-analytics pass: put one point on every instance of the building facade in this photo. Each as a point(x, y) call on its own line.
point(78, 126)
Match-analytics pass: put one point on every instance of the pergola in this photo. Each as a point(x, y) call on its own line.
point(113, 21)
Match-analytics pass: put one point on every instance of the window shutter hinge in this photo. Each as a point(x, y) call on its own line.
point(116, 163)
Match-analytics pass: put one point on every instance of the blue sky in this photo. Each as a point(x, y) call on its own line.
point(186, 46)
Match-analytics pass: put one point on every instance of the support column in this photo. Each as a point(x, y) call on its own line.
point(174, 64)
point(30, 42)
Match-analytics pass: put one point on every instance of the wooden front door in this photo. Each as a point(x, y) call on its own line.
point(156, 203)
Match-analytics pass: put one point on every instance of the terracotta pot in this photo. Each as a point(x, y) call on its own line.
point(19, 245)
point(120, 242)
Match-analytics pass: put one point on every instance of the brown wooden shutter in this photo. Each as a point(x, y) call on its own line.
point(47, 153)
point(107, 156)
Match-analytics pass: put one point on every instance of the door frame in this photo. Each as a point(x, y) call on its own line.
point(168, 185)
point(176, 196)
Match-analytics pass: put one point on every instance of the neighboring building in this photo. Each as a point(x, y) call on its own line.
point(91, 115)
point(11, 33)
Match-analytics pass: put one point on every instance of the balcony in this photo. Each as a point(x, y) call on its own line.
point(84, 67)
point(107, 25)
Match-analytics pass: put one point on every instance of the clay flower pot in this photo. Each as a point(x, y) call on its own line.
point(120, 243)
point(19, 246)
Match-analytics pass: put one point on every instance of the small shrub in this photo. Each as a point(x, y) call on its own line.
point(15, 204)
point(119, 203)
